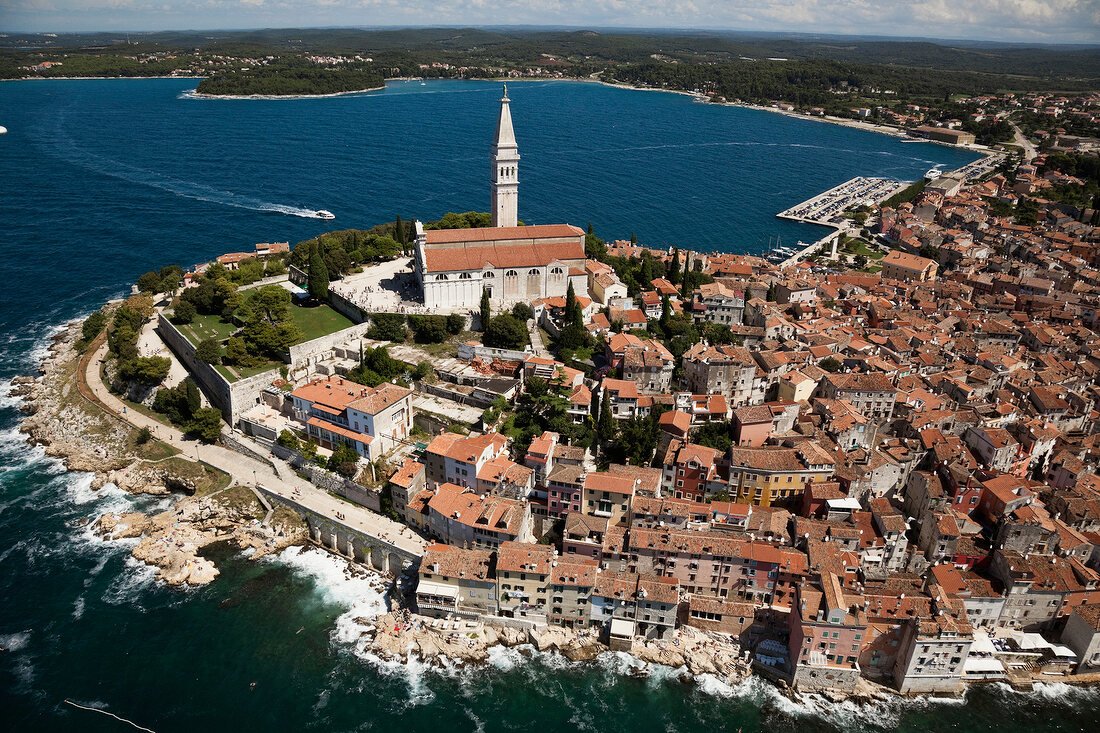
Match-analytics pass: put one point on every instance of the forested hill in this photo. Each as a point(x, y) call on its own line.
point(287, 80)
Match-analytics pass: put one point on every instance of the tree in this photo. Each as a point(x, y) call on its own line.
point(456, 323)
point(206, 424)
point(486, 310)
point(149, 282)
point(387, 327)
point(184, 312)
point(318, 274)
point(674, 267)
point(666, 314)
point(146, 370)
point(523, 311)
point(289, 440)
point(344, 461)
point(209, 351)
point(237, 353)
point(770, 297)
point(506, 332)
point(830, 364)
point(93, 325)
point(399, 232)
point(429, 329)
point(573, 313)
point(605, 421)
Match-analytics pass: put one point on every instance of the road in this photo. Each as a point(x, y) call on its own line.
point(1029, 150)
point(279, 477)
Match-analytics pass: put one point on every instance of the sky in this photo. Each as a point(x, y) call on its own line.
point(1028, 21)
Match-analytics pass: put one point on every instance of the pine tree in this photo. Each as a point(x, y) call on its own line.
point(645, 277)
point(486, 310)
point(674, 267)
point(605, 423)
point(399, 232)
point(573, 315)
point(771, 293)
point(633, 238)
point(666, 314)
point(590, 228)
point(318, 273)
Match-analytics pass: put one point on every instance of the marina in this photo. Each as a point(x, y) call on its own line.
point(828, 208)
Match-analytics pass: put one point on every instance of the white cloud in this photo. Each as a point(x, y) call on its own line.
point(1040, 21)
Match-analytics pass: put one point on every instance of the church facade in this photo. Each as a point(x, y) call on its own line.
point(512, 263)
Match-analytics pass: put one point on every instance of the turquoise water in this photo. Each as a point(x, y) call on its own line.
point(101, 180)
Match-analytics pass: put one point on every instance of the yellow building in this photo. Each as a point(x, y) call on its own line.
point(796, 387)
point(908, 268)
point(766, 476)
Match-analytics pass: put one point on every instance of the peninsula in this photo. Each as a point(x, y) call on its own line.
point(866, 466)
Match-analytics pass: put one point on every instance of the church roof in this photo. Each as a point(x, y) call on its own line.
point(502, 247)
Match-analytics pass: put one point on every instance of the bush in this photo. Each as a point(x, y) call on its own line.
point(143, 436)
point(429, 329)
point(147, 370)
point(205, 424)
point(456, 323)
point(387, 327)
point(523, 312)
point(506, 332)
point(288, 439)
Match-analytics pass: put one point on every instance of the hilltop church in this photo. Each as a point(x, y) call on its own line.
point(513, 263)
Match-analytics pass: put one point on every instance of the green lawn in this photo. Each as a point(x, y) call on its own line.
point(861, 248)
point(318, 321)
point(204, 327)
point(246, 372)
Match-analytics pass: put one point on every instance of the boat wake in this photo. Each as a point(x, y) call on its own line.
point(72, 152)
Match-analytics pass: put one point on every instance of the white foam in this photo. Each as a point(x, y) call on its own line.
point(130, 584)
point(336, 580)
point(16, 641)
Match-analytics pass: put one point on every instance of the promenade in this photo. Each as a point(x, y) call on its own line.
point(278, 477)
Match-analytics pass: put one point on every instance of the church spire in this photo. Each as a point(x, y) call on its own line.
point(504, 180)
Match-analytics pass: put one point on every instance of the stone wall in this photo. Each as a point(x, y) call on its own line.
point(812, 679)
point(273, 280)
point(469, 352)
point(329, 481)
point(232, 398)
point(309, 352)
point(356, 545)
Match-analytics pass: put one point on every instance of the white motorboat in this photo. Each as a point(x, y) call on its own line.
point(324, 214)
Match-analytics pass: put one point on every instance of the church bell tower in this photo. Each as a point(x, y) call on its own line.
point(505, 176)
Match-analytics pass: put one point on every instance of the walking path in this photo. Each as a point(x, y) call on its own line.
point(536, 341)
point(279, 481)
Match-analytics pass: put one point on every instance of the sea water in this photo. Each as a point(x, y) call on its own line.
point(103, 180)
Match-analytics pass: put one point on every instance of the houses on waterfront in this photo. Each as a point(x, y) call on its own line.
point(887, 473)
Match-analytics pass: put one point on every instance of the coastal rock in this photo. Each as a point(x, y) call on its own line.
point(118, 526)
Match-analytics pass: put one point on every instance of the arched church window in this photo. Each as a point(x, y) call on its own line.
point(440, 277)
point(464, 276)
point(511, 273)
point(532, 271)
point(556, 271)
point(488, 273)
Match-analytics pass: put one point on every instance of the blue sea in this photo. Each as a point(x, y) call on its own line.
point(103, 180)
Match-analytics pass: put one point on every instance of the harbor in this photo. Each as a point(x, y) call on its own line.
point(828, 208)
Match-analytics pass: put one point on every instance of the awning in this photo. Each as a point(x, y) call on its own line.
point(436, 589)
point(622, 628)
point(982, 665)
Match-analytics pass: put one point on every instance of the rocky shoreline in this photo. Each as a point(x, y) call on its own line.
point(400, 636)
point(88, 439)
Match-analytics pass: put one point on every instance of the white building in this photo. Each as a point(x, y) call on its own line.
point(512, 263)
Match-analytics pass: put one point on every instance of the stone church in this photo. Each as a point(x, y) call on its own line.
point(513, 263)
